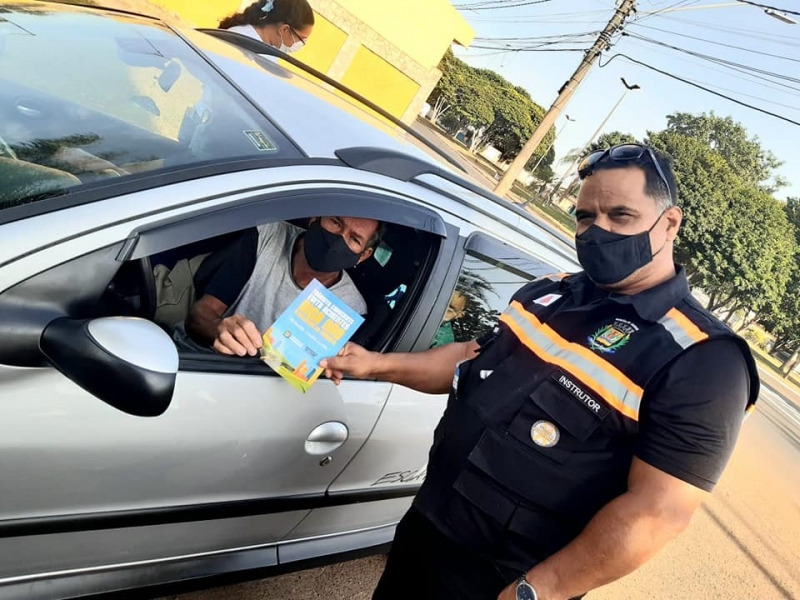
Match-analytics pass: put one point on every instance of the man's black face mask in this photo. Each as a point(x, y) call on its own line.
point(609, 258)
point(327, 252)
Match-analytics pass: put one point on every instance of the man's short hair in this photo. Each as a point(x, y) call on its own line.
point(654, 186)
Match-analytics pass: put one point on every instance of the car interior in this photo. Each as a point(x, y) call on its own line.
point(49, 144)
point(388, 281)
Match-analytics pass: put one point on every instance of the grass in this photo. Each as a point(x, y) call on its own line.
point(774, 365)
point(537, 204)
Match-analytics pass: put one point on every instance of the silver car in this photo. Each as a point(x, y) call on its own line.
point(125, 143)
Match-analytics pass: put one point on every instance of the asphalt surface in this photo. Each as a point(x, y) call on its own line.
point(743, 544)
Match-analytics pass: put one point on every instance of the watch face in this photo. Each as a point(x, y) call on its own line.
point(525, 592)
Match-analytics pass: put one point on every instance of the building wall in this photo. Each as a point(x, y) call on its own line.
point(386, 50)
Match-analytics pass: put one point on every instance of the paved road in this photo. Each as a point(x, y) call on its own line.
point(743, 544)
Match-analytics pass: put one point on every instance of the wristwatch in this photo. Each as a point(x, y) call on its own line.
point(525, 590)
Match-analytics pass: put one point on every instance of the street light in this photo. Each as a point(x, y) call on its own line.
point(780, 16)
point(541, 158)
point(553, 143)
point(628, 88)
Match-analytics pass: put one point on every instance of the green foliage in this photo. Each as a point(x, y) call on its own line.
point(486, 101)
point(752, 163)
point(783, 319)
point(612, 138)
point(736, 240)
point(757, 336)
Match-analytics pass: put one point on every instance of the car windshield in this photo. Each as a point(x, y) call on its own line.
point(91, 95)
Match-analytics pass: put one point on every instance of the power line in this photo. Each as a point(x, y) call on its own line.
point(783, 10)
point(656, 13)
point(752, 34)
point(538, 38)
point(714, 59)
point(692, 37)
point(498, 4)
point(705, 89)
point(729, 72)
point(740, 93)
point(501, 50)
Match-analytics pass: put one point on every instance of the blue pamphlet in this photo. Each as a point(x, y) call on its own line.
point(315, 326)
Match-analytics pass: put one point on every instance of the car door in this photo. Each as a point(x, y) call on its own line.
point(237, 460)
point(392, 464)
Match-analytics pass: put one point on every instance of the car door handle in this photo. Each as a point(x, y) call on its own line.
point(326, 438)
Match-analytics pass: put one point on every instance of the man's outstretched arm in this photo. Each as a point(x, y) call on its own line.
point(430, 372)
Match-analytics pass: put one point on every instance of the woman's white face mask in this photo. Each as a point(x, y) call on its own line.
point(295, 46)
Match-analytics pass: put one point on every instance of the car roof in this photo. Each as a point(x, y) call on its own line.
point(323, 122)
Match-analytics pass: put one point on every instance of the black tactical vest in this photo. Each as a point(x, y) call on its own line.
point(540, 427)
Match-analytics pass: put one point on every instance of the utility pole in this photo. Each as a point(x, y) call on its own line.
point(578, 158)
point(623, 11)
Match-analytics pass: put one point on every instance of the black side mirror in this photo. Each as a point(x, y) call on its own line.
point(126, 362)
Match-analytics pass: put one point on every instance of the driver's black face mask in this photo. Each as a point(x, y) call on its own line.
point(327, 252)
point(609, 258)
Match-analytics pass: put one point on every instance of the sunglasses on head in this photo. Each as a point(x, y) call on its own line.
point(623, 153)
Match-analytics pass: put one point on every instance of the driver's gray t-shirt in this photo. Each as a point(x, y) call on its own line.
point(271, 288)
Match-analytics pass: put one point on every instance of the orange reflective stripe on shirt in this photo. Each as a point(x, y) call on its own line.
point(608, 381)
point(683, 331)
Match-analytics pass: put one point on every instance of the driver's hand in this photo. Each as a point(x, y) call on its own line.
point(237, 336)
point(352, 360)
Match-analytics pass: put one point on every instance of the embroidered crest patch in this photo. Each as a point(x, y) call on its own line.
point(610, 338)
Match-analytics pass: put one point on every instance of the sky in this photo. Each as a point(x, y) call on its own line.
point(731, 31)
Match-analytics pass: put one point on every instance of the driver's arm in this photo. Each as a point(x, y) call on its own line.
point(206, 324)
point(234, 335)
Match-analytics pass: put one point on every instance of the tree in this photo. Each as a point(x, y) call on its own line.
point(439, 108)
point(606, 140)
point(752, 163)
point(792, 209)
point(782, 320)
point(758, 252)
point(736, 241)
point(704, 180)
point(612, 138)
point(502, 114)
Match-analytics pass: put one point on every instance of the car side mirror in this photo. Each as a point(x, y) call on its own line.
point(129, 363)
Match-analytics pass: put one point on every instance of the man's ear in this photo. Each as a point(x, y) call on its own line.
point(366, 254)
point(674, 217)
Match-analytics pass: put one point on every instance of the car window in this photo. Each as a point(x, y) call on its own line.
point(483, 290)
point(491, 273)
point(163, 286)
point(88, 95)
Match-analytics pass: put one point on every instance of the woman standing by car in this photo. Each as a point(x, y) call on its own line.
point(283, 24)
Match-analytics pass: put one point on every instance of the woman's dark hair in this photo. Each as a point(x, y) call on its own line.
point(295, 13)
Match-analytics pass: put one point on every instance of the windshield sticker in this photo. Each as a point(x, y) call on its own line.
point(260, 140)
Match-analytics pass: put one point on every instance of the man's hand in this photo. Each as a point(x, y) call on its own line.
point(352, 360)
point(237, 336)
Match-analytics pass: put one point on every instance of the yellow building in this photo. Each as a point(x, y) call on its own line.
point(386, 50)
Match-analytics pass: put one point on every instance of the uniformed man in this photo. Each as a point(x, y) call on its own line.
point(584, 431)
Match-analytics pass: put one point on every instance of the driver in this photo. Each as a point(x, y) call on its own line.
point(268, 267)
